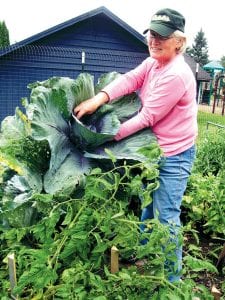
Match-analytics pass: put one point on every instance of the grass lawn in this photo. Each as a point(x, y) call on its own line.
point(203, 118)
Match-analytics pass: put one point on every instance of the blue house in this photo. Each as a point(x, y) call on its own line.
point(105, 42)
point(109, 45)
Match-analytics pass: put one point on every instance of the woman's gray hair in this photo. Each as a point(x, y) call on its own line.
point(182, 37)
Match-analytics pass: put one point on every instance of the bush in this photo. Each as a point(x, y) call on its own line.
point(211, 154)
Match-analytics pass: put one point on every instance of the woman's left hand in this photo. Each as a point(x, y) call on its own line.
point(89, 106)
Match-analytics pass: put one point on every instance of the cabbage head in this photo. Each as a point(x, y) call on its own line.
point(50, 151)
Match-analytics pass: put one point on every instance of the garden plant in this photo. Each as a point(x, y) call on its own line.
point(68, 193)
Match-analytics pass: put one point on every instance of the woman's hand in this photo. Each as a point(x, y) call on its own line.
point(89, 106)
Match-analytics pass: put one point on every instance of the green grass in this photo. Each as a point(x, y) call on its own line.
point(203, 118)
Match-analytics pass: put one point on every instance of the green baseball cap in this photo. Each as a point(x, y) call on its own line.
point(166, 21)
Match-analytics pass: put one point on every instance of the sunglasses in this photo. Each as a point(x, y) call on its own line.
point(158, 37)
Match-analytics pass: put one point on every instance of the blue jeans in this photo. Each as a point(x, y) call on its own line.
point(173, 175)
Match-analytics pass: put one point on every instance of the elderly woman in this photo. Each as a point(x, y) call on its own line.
point(167, 90)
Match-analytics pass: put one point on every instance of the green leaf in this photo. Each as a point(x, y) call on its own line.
point(22, 216)
point(147, 199)
point(13, 127)
point(111, 155)
point(105, 79)
point(198, 265)
point(67, 164)
point(100, 128)
point(100, 248)
point(83, 88)
point(100, 298)
point(118, 215)
point(95, 171)
point(20, 152)
point(72, 91)
point(126, 107)
point(128, 148)
point(65, 174)
point(97, 193)
point(39, 276)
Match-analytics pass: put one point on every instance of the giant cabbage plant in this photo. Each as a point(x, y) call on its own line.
point(51, 152)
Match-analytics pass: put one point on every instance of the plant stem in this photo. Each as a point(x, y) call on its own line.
point(64, 239)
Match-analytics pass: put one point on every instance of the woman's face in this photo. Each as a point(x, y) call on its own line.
point(161, 48)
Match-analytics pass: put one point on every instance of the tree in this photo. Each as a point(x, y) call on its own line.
point(4, 35)
point(222, 61)
point(199, 49)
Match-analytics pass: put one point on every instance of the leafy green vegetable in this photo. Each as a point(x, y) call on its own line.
point(68, 138)
point(64, 149)
point(66, 189)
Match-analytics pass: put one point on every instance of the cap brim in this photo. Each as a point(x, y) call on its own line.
point(146, 30)
point(161, 29)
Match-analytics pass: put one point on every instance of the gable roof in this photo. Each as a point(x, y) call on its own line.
point(52, 30)
point(202, 75)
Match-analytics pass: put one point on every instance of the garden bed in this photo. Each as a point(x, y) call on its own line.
point(61, 221)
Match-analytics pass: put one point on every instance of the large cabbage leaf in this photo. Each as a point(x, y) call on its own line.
point(130, 148)
point(17, 205)
point(73, 91)
point(124, 107)
point(18, 190)
point(96, 129)
point(105, 79)
point(100, 127)
point(67, 163)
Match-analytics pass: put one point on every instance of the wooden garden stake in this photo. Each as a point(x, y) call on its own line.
point(221, 258)
point(216, 293)
point(114, 260)
point(12, 273)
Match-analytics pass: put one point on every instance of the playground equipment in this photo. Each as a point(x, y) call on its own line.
point(217, 81)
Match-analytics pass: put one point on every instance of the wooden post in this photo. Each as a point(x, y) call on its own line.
point(83, 60)
point(221, 258)
point(12, 273)
point(216, 293)
point(114, 260)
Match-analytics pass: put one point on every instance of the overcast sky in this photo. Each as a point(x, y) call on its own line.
point(25, 18)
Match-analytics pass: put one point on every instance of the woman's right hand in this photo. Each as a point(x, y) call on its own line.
point(89, 106)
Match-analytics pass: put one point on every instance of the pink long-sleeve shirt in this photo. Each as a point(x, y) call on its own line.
point(168, 96)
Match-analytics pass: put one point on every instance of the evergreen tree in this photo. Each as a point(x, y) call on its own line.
point(222, 61)
point(199, 49)
point(4, 35)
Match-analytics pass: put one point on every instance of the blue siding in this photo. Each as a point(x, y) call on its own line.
point(98, 32)
point(108, 47)
point(40, 62)
point(14, 81)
